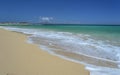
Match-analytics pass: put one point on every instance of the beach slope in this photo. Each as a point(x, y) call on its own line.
point(17, 57)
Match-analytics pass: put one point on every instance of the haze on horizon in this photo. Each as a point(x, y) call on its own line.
point(62, 11)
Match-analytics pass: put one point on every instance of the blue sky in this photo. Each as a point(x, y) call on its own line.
point(67, 11)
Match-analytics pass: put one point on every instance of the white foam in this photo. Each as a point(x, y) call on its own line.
point(82, 43)
point(102, 71)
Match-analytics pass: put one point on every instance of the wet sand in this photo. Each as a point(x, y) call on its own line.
point(88, 59)
point(17, 57)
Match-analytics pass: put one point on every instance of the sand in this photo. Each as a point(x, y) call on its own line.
point(17, 57)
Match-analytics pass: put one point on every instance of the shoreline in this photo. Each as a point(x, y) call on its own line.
point(21, 58)
point(89, 60)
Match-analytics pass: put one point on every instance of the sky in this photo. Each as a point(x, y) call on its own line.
point(61, 11)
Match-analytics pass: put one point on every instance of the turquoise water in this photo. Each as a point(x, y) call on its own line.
point(78, 29)
point(101, 32)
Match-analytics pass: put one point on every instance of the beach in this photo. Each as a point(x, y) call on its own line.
point(17, 57)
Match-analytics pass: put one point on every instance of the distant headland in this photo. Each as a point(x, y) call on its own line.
point(15, 23)
point(52, 24)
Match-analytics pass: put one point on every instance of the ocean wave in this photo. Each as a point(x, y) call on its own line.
point(76, 43)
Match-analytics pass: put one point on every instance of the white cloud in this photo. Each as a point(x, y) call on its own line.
point(46, 18)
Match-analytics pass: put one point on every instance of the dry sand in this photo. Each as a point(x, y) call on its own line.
point(19, 58)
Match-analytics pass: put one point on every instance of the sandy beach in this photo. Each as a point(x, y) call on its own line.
point(17, 57)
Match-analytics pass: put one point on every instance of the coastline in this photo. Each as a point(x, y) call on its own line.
point(17, 57)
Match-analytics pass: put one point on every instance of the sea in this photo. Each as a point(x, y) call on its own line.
point(95, 46)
